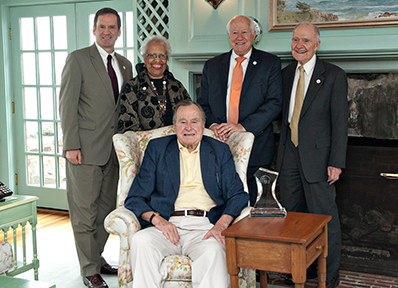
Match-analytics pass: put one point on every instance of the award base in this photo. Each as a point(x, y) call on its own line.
point(268, 212)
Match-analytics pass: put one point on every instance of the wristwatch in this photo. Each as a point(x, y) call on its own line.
point(153, 215)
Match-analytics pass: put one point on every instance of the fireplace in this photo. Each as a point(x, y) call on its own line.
point(368, 202)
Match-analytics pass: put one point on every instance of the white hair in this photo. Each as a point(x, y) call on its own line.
point(252, 26)
point(156, 39)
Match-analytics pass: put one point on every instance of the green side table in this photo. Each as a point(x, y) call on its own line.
point(10, 282)
point(19, 210)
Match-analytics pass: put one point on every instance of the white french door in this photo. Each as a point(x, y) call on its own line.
point(42, 36)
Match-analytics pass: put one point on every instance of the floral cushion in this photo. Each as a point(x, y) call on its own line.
point(6, 257)
point(130, 148)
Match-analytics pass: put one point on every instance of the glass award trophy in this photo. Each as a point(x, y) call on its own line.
point(268, 204)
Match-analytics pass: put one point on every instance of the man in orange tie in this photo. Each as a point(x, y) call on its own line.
point(241, 90)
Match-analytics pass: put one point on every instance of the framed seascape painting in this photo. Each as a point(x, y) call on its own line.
point(285, 14)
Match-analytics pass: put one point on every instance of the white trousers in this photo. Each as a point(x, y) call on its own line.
point(208, 262)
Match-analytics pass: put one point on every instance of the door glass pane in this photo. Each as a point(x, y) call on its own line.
point(27, 35)
point(60, 138)
point(29, 68)
point(46, 103)
point(45, 68)
point(33, 170)
point(129, 30)
point(57, 100)
point(60, 41)
point(32, 136)
point(49, 171)
point(43, 33)
point(30, 102)
point(59, 61)
point(47, 135)
point(62, 174)
point(119, 42)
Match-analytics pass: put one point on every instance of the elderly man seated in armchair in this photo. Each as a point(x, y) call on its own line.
point(185, 194)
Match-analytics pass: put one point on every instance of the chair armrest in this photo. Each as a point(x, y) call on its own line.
point(122, 222)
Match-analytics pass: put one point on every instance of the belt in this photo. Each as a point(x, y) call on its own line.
point(194, 212)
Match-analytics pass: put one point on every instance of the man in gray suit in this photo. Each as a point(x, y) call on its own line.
point(90, 86)
point(313, 141)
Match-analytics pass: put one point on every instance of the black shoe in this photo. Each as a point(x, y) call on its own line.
point(108, 269)
point(95, 281)
point(334, 282)
point(289, 279)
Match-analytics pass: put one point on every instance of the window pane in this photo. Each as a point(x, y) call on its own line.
point(46, 104)
point(33, 170)
point(130, 56)
point(119, 41)
point(57, 99)
point(43, 33)
point(129, 30)
point(45, 68)
point(90, 25)
point(27, 35)
point(59, 59)
point(29, 68)
point(61, 172)
point(49, 171)
point(47, 137)
point(32, 136)
point(30, 98)
point(60, 139)
point(60, 39)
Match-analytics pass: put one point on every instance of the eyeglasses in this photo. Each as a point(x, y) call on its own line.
point(154, 56)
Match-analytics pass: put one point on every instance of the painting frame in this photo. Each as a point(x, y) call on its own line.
point(273, 25)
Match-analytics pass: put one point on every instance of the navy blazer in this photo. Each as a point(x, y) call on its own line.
point(156, 186)
point(323, 131)
point(260, 99)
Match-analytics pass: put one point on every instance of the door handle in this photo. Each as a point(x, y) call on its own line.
point(393, 176)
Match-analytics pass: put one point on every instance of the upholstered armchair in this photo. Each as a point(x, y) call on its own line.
point(6, 257)
point(130, 148)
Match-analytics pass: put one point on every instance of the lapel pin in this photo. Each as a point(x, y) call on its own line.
point(318, 81)
point(254, 62)
point(124, 67)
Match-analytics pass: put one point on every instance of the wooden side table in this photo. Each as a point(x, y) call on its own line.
point(285, 245)
point(15, 211)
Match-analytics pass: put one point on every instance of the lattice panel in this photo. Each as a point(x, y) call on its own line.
point(152, 18)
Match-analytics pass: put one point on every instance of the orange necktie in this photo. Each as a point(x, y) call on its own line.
point(236, 87)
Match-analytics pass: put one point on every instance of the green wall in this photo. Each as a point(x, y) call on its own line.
point(198, 33)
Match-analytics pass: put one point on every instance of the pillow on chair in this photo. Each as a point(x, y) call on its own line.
point(6, 257)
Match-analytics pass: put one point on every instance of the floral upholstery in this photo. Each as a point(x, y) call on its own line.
point(130, 148)
point(6, 257)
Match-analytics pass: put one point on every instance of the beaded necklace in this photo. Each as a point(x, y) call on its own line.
point(162, 100)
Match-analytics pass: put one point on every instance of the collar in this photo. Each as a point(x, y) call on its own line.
point(103, 53)
point(247, 55)
point(309, 66)
point(185, 150)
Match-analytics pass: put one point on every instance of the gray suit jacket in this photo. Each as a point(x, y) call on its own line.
point(86, 104)
point(323, 120)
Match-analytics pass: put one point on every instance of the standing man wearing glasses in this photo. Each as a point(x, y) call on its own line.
point(148, 101)
point(91, 81)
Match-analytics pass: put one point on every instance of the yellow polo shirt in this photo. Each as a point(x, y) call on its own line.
point(192, 194)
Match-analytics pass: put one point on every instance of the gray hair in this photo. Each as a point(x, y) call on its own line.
point(252, 26)
point(316, 29)
point(157, 39)
point(185, 103)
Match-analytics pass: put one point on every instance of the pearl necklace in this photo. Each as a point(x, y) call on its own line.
point(162, 100)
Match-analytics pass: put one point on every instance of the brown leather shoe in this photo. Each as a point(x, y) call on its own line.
point(95, 281)
point(334, 282)
point(108, 269)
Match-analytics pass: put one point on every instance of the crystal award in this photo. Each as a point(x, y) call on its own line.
point(267, 204)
